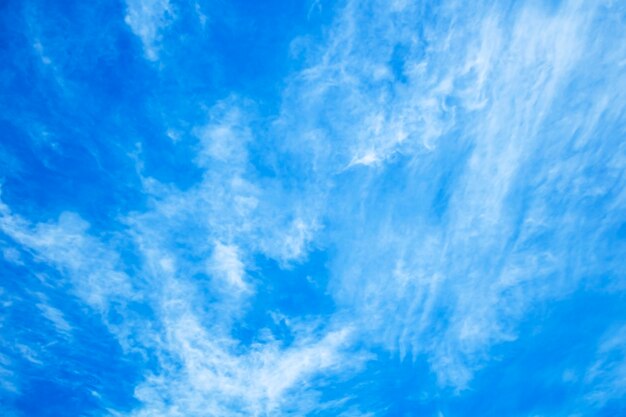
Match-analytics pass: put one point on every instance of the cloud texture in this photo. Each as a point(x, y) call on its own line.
point(423, 214)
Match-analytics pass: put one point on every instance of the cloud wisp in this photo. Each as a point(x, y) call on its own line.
point(147, 19)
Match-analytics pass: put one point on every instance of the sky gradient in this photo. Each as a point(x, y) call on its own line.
point(311, 208)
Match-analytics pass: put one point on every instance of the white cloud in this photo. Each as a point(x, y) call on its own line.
point(7, 375)
point(229, 384)
point(475, 97)
point(147, 19)
point(606, 377)
point(442, 240)
point(92, 267)
point(191, 246)
point(56, 317)
point(12, 255)
point(225, 263)
point(212, 228)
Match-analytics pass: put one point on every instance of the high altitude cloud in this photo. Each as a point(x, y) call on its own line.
point(468, 223)
point(147, 18)
point(435, 181)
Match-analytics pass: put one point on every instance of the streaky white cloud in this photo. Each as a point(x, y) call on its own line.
point(7, 375)
point(211, 230)
point(12, 255)
point(9, 379)
point(201, 367)
point(92, 267)
point(606, 377)
point(232, 204)
point(56, 317)
point(260, 381)
point(421, 149)
point(147, 19)
point(192, 247)
point(473, 110)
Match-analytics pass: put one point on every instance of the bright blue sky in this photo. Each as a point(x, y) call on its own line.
point(312, 208)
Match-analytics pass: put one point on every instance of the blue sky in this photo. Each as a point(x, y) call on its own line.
point(312, 208)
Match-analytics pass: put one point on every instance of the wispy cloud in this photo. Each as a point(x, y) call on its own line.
point(194, 248)
point(7, 376)
point(606, 377)
point(91, 265)
point(147, 19)
point(56, 317)
point(455, 229)
point(459, 168)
